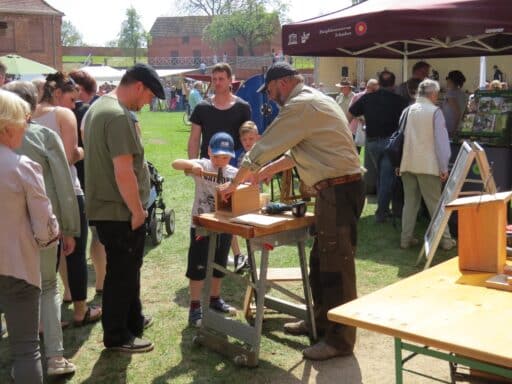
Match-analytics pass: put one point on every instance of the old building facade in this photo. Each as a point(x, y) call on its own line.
point(31, 28)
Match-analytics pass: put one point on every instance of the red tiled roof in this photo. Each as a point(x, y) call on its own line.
point(38, 7)
point(180, 26)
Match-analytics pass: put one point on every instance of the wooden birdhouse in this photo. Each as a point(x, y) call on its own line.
point(246, 198)
point(482, 236)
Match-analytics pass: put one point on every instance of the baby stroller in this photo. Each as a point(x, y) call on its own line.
point(158, 215)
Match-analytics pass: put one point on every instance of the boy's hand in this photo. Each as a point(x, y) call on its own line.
point(197, 170)
point(226, 190)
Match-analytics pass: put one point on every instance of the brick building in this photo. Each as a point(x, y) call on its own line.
point(31, 28)
point(182, 37)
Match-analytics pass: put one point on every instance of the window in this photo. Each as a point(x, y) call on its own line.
point(185, 39)
point(240, 51)
point(175, 54)
point(197, 56)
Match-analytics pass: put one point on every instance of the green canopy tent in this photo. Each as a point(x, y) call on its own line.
point(20, 66)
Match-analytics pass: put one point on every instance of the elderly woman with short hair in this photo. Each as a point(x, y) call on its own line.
point(424, 164)
point(27, 223)
point(44, 146)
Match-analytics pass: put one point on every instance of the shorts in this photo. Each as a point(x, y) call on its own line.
point(198, 255)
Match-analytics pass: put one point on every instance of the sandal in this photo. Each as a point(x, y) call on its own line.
point(88, 319)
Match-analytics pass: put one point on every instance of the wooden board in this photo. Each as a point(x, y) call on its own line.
point(442, 308)
point(259, 220)
point(221, 224)
point(499, 281)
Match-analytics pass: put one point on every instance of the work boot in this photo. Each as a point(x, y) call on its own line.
point(409, 243)
point(297, 328)
point(323, 351)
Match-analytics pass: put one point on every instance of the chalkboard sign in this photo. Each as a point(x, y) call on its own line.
point(467, 153)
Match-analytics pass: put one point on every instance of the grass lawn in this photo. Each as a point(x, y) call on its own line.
point(175, 359)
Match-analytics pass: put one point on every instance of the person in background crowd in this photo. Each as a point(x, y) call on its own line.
point(381, 111)
point(3, 72)
point(358, 123)
point(312, 134)
point(44, 146)
point(494, 85)
point(87, 88)
point(498, 75)
point(55, 112)
point(113, 145)
point(224, 112)
point(407, 89)
point(195, 96)
point(346, 95)
point(27, 223)
point(455, 100)
point(423, 171)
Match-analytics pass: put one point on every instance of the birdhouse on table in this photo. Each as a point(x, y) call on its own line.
point(482, 236)
point(245, 199)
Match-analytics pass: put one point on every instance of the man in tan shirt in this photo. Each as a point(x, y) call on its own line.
point(311, 132)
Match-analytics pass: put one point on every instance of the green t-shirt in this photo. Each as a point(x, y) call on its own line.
point(110, 132)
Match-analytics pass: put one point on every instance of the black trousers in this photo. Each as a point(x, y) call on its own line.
point(332, 267)
point(76, 262)
point(122, 310)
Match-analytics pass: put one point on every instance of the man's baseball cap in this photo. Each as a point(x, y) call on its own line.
point(222, 144)
point(277, 71)
point(148, 76)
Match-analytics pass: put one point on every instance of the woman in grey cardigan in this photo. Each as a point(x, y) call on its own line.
point(44, 146)
point(27, 223)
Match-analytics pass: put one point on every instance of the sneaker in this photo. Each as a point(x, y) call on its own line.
point(195, 316)
point(241, 263)
point(447, 244)
point(135, 345)
point(409, 243)
point(220, 305)
point(59, 367)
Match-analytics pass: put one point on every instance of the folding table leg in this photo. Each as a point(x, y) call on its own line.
point(399, 374)
point(260, 299)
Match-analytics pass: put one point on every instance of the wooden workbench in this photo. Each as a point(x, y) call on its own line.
point(215, 327)
point(440, 308)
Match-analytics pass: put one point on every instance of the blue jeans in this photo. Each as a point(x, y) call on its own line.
point(385, 174)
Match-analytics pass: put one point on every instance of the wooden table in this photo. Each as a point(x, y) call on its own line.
point(444, 309)
point(214, 326)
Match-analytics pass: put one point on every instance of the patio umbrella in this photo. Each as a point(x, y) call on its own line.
point(19, 66)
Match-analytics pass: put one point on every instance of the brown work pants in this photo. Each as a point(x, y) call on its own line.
point(332, 269)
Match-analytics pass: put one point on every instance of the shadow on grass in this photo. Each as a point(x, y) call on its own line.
point(200, 365)
point(110, 367)
point(380, 243)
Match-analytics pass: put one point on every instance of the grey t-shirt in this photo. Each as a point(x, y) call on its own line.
point(110, 132)
point(204, 199)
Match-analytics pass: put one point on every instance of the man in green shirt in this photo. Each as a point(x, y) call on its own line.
point(312, 133)
point(116, 190)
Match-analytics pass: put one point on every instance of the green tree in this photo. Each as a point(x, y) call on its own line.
point(247, 24)
point(132, 35)
point(69, 35)
point(204, 7)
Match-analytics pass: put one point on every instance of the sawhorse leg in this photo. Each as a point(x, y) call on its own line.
point(308, 296)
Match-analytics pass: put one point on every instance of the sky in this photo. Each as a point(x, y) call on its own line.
point(100, 21)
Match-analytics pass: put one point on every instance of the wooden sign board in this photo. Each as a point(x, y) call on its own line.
point(469, 152)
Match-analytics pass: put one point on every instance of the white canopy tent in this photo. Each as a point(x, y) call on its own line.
point(104, 73)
